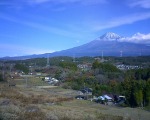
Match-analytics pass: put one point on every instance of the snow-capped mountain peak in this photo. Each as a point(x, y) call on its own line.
point(136, 38)
point(110, 36)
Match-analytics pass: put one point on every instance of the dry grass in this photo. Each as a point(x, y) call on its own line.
point(33, 97)
point(30, 81)
point(55, 104)
point(15, 103)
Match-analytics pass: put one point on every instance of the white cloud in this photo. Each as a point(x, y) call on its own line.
point(137, 38)
point(29, 51)
point(38, 1)
point(32, 2)
point(68, 1)
point(140, 3)
point(43, 27)
point(115, 22)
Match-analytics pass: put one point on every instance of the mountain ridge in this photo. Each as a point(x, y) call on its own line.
point(110, 43)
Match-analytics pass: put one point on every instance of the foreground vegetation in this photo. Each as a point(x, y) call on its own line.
point(52, 104)
point(27, 101)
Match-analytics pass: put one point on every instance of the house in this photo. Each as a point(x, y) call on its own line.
point(47, 79)
point(84, 97)
point(121, 100)
point(105, 99)
point(55, 80)
point(38, 74)
point(86, 91)
point(51, 80)
point(85, 66)
point(80, 97)
point(127, 67)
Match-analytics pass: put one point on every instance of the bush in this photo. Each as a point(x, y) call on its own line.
point(1, 78)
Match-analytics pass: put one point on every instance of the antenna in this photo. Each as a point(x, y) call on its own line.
point(74, 59)
point(3, 71)
point(10, 70)
point(102, 55)
point(102, 59)
point(48, 64)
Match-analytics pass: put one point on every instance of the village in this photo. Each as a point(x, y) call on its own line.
point(18, 77)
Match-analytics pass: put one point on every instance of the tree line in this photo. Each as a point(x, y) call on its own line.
point(106, 78)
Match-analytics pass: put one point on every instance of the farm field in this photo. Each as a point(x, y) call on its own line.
point(56, 103)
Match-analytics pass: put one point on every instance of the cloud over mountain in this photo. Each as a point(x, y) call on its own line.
point(137, 38)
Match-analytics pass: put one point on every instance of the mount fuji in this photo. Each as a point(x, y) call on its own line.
point(109, 36)
point(111, 44)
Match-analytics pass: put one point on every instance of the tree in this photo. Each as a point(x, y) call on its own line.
point(107, 67)
point(129, 90)
point(113, 84)
point(22, 68)
point(58, 74)
point(1, 78)
point(96, 64)
point(68, 65)
point(139, 97)
point(147, 93)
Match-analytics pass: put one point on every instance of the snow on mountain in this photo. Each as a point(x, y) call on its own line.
point(110, 36)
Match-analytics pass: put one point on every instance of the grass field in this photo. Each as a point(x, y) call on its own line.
point(33, 103)
point(31, 81)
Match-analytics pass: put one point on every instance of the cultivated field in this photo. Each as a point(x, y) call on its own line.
point(55, 103)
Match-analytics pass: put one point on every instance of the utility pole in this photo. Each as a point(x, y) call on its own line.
point(10, 70)
point(102, 55)
point(102, 59)
point(3, 72)
point(26, 82)
point(74, 58)
point(48, 64)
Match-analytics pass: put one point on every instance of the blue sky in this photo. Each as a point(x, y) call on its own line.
point(42, 26)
